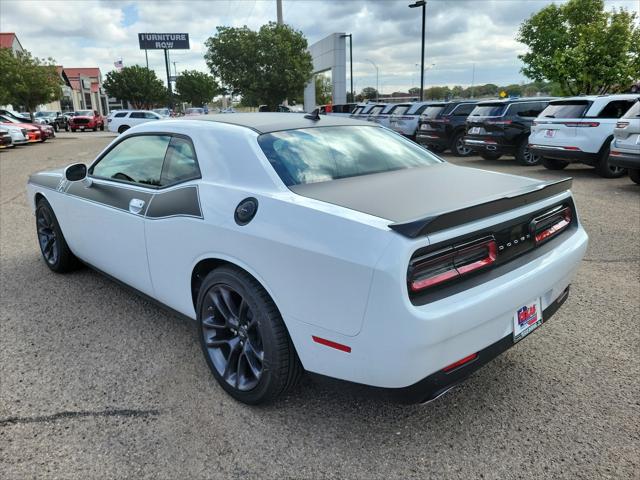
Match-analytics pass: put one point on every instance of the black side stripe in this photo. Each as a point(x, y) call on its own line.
point(47, 180)
point(109, 195)
point(183, 201)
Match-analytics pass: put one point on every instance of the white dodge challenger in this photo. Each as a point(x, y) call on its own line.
point(320, 244)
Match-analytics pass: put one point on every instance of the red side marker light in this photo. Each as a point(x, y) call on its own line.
point(460, 362)
point(329, 343)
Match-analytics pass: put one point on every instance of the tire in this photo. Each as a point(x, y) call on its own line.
point(458, 148)
point(634, 175)
point(123, 128)
point(553, 164)
point(53, 246)
point(436, 148)
point(66, 128)
point(102, 127)
point(526, 157)
point(490, 155)
point(255, 331)
point(604, 168)
point(95, 129)
point(73, 129)
point(55, 127)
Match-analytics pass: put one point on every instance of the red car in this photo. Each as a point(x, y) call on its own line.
point(35, 133)
point(85, 120)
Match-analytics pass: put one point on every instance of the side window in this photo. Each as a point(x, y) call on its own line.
point(420, 110)
point(616, 108)
point(120, 115)
point(137, 115)
point(137, 159)
point(180, 163)
point(463, 110)
point(150, 115)
point(528, 109)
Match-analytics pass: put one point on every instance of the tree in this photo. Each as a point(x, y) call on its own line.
point(323, 89)
point(269, 65)
point(196, 88)
point(137, 85)
point(369, 93)
point(581, 47)
point(27, 81)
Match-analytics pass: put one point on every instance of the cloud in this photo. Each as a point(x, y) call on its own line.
point(460, 33)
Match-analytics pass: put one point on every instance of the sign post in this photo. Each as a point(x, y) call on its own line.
point(164, 41)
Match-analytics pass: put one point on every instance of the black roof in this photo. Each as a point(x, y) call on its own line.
point(264, 122)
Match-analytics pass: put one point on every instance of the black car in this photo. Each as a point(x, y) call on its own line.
point(442, 125)
point(56, 119)
point(502, 127)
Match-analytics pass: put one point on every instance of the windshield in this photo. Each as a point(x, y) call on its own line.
point(432, 111)
point(633, 111)
point(572, 109)
point(491, 110)
point(194, 110)
point(162, 111)
point(321, 154)
point(84, 113)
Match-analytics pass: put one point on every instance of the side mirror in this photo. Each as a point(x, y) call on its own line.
point(75, 172)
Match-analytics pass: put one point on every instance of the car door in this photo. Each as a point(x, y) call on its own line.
point(104, 222)
point(174, 225)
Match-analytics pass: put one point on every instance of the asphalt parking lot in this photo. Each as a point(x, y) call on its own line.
point(99, 383)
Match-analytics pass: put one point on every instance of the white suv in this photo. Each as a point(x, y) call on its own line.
point(404, 118)
point(123, 120)
point(579, 129)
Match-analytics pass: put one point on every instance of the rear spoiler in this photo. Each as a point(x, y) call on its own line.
point(442, 221)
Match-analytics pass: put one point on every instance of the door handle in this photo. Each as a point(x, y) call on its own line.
point(136, 205)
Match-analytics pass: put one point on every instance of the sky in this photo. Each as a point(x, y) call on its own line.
point(459, 34)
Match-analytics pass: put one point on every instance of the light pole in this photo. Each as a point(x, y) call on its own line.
point(377, 78)
point(423, 4)
point(350, 62)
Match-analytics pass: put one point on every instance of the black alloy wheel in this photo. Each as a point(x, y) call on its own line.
point(604, 167)
point(53, 246)
point(232, 338)
point(243, 337)
point(524, 155)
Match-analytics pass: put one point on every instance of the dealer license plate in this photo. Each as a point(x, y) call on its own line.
point(550, 133)
point(475, 130)
point(526, 319)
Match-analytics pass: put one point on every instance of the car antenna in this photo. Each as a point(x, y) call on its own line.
point(315, 115)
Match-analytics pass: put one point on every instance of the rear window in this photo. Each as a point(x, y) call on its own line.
point(488, 110)
point(463, 110)
point(313, 155)
point(571, 109)
point(400, 109)
point(633, 111)
point(432, 111)
point(121, 114)
point(376, 110)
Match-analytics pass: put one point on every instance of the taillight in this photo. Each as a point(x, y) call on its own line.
point(498, 122)
point(450, 263)
point(550, 224)
point(581, 124)
point(622, 124)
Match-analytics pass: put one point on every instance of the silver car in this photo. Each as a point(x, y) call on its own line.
point(625, 148)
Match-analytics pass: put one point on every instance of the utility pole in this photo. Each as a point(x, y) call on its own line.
point(423, 4)
point(473, 78)
point(279, 13)
point(353, 97)
point(146, 56)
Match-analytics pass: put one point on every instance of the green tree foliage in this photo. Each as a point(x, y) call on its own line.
point(368, 93)
point(323, 89)
point(27, 81)
point(196, 88)
point(582, 47)
point(268, 66)
point(137, 85)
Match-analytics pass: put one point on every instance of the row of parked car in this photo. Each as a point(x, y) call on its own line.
point(602, 131)
point(16, 130)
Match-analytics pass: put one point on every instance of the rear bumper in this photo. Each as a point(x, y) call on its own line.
point(432, 138)
point(487, 145)
point(560, 153)
point(625, 160)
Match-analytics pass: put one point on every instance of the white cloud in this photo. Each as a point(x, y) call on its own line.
point(459, 33)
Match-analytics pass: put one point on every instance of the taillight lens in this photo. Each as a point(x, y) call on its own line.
point(453, 262)
point(581, 124)
point(622, 124)
point(498, 122)
point(548, 225)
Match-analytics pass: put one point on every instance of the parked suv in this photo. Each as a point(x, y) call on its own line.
point(86, 119)
point(404, 118)
point(500, 127)
point(123, 120)
point(380, 114)
point(625, 148)
point(442, 125)
point(55, 119)
point(361, 112)
point(580, 129)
